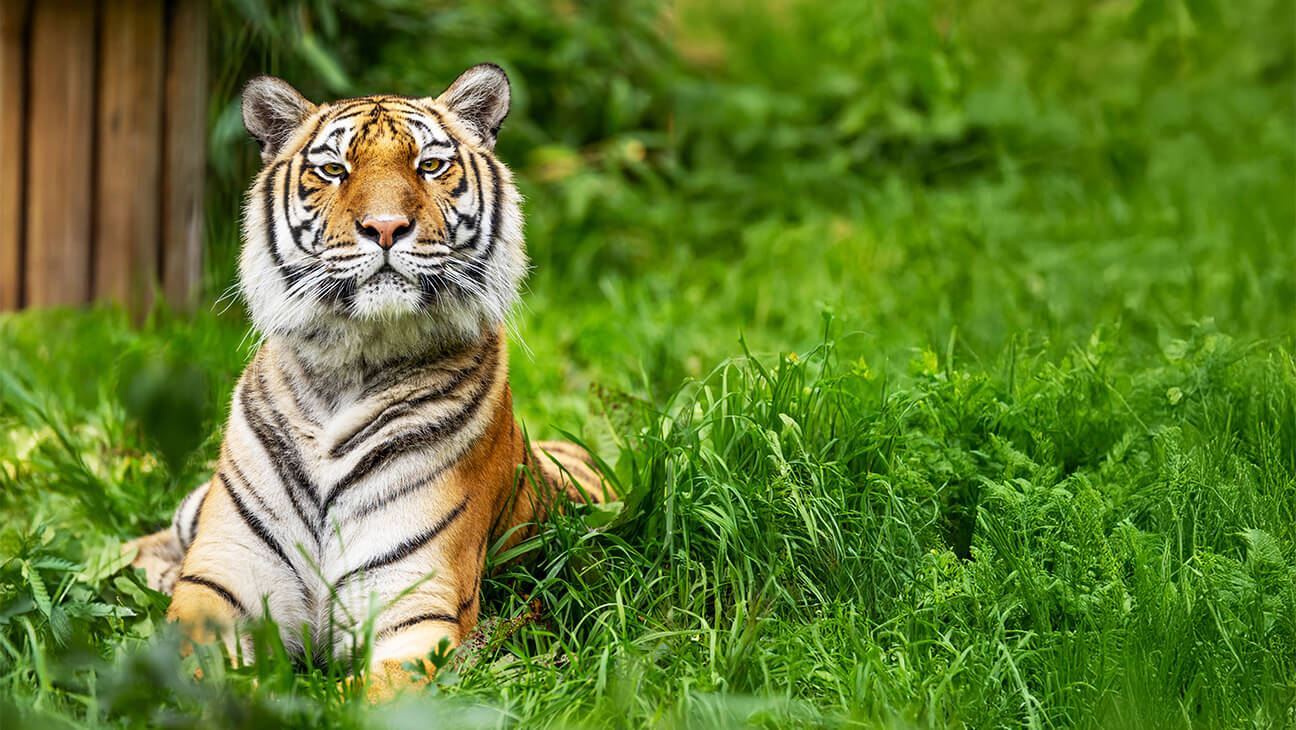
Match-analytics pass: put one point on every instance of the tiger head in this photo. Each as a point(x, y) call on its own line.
point(382, 222)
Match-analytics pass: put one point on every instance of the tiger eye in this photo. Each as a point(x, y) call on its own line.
point(431, 164)
point(334, 168)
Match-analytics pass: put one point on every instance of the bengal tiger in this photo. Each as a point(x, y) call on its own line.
point(371, 441)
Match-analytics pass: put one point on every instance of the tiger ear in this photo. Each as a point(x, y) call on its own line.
point(480, 97)
point(272, 110)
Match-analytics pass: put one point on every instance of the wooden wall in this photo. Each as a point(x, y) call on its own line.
point(102, 150)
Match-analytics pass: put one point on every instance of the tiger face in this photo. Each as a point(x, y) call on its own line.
point(381, 221)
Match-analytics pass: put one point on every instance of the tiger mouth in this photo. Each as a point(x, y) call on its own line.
point(386, 273)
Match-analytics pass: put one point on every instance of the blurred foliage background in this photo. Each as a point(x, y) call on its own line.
point(704, 168)
point(943, 350)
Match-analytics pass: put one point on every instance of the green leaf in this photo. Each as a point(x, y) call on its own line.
point(130, 588)
point(20, 605)
point(1263, 548)
point(97, 609)
point(60, 626)
point(49, 563)
point(323, 64)
point(37, 585)
point(600, 515)
point(105, 562)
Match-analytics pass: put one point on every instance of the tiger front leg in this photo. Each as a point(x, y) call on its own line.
point(408, 633)
point(394, 658)
point(206, 613)
point(225, 578)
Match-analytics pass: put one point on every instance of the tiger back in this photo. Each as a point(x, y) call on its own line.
point(371, 455)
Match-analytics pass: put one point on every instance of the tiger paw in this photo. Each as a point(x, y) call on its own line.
point(389, 678)
point(159, 555)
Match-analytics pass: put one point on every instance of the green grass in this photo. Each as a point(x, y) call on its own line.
point(944, 352)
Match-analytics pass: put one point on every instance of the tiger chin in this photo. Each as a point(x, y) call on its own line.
point(371, 455)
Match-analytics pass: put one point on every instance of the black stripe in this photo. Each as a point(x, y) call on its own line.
point(294, 229)
point(325, 389)
point(478, 210)
point(349, 111)
point(308, 185)
point(408, 547)
point(280, 452)
point(326, 144)
point(325, 119)
point(409, 441)
point(365, 131)
point(259, 529)
point(343, 258)
point(426, 128)
point(389, 120)
point(216, 588)
point(246, 485)
point(177, 520)
point(294, 391)
point(400, 408)
point(193, 522)
point(340, 112)
point(271, 232)
point(467, 603)
point(414, 486)
point(390, 497)
point(413, 621)
point(304, 193)
point(393, 374)
point(479, 272)
point(287, 453)
point(462, 185)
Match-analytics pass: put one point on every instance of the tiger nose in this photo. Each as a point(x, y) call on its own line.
point(384, 230)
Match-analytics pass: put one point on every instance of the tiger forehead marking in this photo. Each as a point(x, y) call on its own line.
point(397, 163)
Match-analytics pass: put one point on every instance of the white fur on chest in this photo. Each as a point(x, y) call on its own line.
point(331, 527)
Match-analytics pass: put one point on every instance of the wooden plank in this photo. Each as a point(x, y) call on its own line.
point(60, 153)
point(13, 74)
point(129, 151)
point(185, 152)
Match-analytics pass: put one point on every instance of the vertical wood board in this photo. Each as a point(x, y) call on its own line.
point(128, 170)
point(13, 74)
point(185, 150)
point(60, 153)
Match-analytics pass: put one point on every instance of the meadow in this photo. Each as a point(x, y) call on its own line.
point(945, 353)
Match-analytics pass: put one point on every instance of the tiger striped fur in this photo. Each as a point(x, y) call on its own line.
point(371, 442)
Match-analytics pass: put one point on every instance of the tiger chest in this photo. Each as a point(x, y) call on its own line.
point(352, 499)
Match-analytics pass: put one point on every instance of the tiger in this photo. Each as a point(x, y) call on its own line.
point(371, 455)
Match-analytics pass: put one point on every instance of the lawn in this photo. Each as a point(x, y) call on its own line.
point(945, 353)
